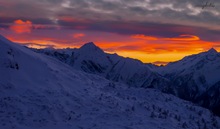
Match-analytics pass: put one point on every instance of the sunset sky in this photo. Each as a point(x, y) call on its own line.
point(149, 30)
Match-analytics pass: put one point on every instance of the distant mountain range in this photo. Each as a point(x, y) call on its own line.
point(194, 78)
point(91, 59)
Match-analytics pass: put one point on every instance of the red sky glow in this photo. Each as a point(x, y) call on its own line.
point(137, 29)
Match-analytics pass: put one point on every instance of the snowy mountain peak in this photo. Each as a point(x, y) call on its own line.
point(90, 50)
point(90, 46)
point(212, 50)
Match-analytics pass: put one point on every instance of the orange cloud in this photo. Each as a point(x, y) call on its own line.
point(20, 26)
point(184, 37)
point(39, 43)
point(78, 35)
point(142, 36)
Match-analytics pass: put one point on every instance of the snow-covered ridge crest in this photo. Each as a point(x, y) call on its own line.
point(193, 78)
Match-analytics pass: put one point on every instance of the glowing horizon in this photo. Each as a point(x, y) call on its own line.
point(149, 30)
point(154, 57)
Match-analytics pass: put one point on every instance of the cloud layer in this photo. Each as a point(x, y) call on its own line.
point(129, 27)
point(20, 26)
point(165, 18)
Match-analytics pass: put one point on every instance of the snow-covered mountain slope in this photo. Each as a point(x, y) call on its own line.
point(91, 59)
point(196, 78)
point(37, 91)
point(201, 63)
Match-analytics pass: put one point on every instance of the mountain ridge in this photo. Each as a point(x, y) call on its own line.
point(196, 75)
point(189, 71)
point(91, 59)
point(46, 93)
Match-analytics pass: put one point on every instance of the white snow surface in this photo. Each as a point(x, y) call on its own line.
point(204, 66)
point(37, 91)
